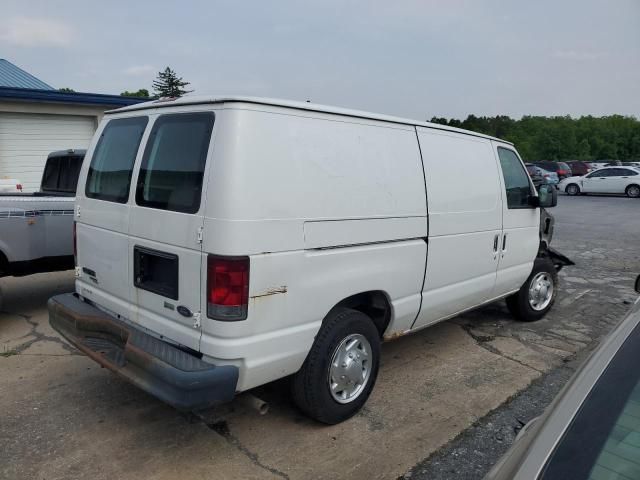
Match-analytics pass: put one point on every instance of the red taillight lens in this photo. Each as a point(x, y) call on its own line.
point(227, 287)
point(75, 245)
point(562, 172)
point(19, 186)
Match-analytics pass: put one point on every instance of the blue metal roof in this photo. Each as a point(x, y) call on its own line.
point(77, 98)
point(12, 76)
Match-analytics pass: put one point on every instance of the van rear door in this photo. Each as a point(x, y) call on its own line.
point(102, 214)
point(165, 226)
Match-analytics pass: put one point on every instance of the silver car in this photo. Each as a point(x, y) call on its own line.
point(592, 428)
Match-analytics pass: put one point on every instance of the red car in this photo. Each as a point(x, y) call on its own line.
point(580, 168)
point(561, 168)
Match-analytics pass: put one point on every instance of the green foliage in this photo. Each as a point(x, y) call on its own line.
point(168, 84)
point(66, 90)
point(142, 93)
point(561, 138)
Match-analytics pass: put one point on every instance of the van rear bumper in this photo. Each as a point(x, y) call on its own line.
point(159, 368)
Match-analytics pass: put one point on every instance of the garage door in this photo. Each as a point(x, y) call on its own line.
point(26, 140)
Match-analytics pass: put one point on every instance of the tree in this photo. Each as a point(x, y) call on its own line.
point(168, 84)
point(561, 137)
point(66, 90)
point(142, 93)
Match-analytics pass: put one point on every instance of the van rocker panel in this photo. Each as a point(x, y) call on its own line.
point(159, 368)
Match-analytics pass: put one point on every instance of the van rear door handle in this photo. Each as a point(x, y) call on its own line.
point(504, 242)
point(495, 242)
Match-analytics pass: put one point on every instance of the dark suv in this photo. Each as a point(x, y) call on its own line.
point(562, 169)
point(580, 168)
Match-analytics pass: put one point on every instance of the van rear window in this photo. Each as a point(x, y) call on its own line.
point(173, 164)
point(109, 174)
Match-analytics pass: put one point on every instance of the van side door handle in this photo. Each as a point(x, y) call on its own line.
point(504, 242)
point(495, 243)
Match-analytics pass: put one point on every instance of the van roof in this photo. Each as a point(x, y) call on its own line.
point(313, 107)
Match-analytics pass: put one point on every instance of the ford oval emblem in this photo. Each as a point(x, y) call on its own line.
point(184, 311)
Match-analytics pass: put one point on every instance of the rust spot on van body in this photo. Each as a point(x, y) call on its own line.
point(393, 335)
point(271, 291)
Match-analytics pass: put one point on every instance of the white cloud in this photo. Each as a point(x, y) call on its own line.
point(35, 32)
point(140, 70)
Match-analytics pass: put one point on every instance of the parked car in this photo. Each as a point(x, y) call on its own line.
point(591, 428)
point(605, 180)
point(623, 164)
point(597, 165)
point(561, 168)
point(10, 185)
point(541, 176)
point(223, 243)
point(579, 168)
point(37, 228)
point(535, 173)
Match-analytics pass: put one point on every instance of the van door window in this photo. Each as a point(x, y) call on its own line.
point(173, 164)
point(109, 174)
point(516, 180)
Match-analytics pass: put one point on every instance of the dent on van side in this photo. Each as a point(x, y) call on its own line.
point(223, 243)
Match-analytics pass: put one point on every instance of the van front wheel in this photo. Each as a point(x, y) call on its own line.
point(340, 370)
point(536, 296)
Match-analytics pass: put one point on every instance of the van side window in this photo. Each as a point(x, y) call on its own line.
point(109, 174)
point(173, 164)
point(516, 179)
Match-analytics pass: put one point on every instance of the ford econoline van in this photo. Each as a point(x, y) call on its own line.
point(223, 243)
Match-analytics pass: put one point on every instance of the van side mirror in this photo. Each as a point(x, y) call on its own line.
point(547, 196)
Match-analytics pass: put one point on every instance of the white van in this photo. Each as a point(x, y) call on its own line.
point(223, 243)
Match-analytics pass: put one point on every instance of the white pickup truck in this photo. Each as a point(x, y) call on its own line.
point(36, 229)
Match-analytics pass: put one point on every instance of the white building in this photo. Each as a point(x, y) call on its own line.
point(36, 119)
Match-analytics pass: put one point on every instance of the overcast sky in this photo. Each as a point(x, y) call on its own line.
point(410, 58)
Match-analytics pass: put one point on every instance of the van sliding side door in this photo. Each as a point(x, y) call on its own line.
point(465, 222)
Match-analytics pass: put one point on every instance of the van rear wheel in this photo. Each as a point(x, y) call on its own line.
point(341, 368)
point(536, 296)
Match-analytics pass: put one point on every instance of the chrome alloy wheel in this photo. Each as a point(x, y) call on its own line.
point(350, 368)
point(541, 291)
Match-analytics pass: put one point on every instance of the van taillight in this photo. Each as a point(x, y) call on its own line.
point(227, 287)
point(75, 245)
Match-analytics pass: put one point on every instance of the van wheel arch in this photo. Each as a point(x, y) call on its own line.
point(375, 304)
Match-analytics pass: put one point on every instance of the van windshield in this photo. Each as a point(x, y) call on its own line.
point(109, 174)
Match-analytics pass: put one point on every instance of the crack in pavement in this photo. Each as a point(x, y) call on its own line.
point(481, 341)
point(38, 337)
point(222, 429)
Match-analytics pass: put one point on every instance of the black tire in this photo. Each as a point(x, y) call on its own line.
point(310, 386)
point(519, 304)
point(633, 191)
point(572, 189)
